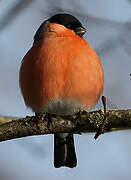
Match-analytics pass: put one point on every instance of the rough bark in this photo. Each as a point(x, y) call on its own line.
point(83, 122)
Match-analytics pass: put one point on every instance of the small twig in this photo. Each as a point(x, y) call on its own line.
point(102, 128)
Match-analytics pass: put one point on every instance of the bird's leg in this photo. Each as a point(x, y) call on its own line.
point(48, 119)
point(76, 123)
point(102, 128)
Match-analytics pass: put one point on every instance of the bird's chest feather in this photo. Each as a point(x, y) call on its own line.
point(67, 74)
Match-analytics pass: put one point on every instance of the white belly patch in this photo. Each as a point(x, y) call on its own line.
point(63, 107)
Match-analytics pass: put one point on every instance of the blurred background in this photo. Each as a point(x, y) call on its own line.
point(109, 32)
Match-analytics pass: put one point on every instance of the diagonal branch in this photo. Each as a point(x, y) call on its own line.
point(83, 122)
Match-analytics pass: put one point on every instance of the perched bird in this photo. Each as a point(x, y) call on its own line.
point(61, 74)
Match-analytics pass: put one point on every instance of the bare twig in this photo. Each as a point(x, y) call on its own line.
point(86, 122)
point(102, 128)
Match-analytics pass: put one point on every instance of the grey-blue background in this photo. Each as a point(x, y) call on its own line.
point(109, 32)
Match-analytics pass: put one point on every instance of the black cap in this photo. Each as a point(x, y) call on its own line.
point(69, 22)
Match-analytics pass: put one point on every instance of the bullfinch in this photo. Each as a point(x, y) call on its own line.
point(61, 74)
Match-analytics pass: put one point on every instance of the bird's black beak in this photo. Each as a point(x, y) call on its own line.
point(80, 30)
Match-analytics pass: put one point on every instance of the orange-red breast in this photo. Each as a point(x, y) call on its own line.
point(61, 74)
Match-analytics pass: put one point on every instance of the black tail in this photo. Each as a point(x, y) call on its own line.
point(64, 151)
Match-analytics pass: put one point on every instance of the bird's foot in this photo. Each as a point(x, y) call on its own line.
point(40, 117)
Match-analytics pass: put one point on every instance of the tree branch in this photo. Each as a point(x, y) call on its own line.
point(79, 123)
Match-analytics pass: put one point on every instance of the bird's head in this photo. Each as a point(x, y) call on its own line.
point(60, 22)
